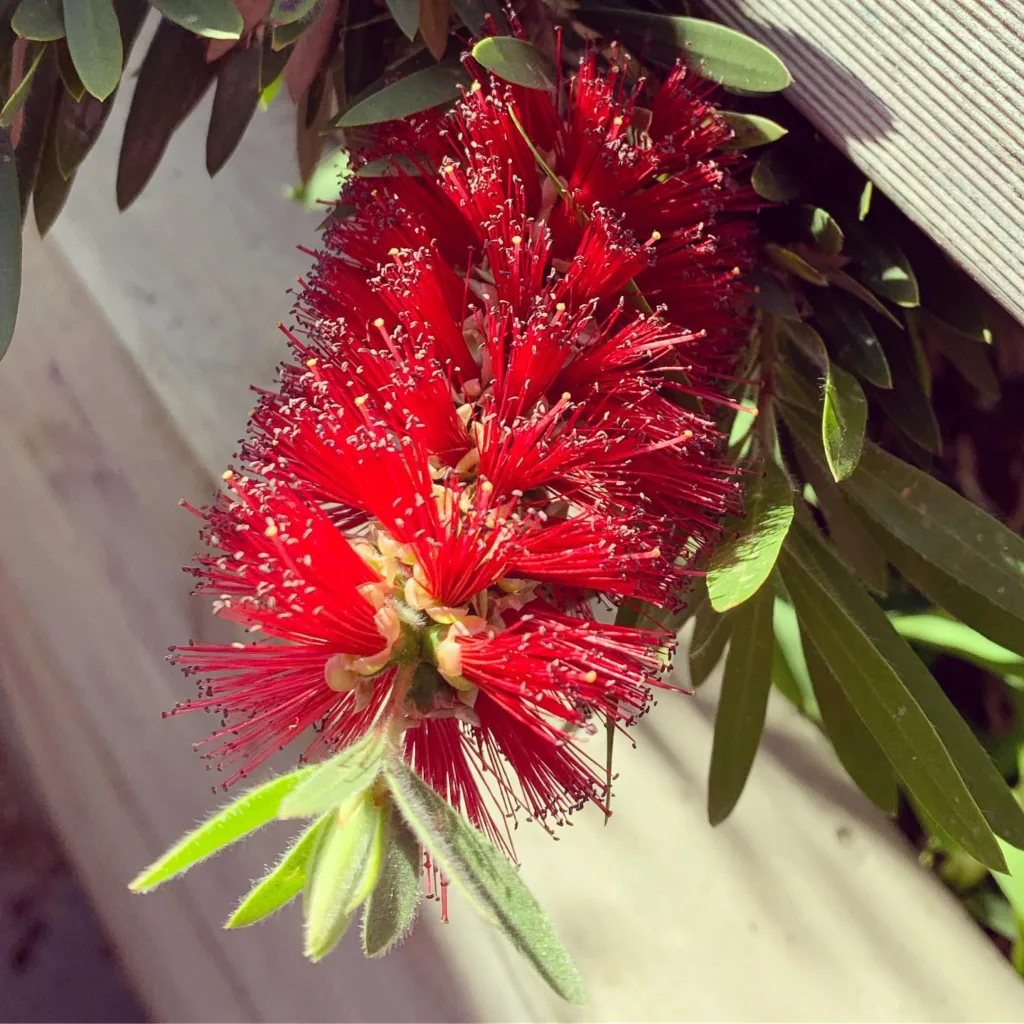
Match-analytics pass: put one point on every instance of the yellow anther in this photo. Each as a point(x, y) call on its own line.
point(228, 474)
point(590, 677)
point(362, 400)
point(487, 487)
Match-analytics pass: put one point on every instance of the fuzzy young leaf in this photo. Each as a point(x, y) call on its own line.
point(214, 19)
point(94, 40)
point(516, 61)
point(421, 90)
point(921, 732)
point(342, 872)
point(742, 564)
point(856, 748)
point(750, 130)
point(717, 52)
point(336, 781)
point(392, 906)
point(487, 878)
point(250, 811)
point(743, 703)
point(960, 557)
point(844, 419)
point(283, 882)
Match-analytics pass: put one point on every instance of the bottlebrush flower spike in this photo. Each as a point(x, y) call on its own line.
point(496, 415)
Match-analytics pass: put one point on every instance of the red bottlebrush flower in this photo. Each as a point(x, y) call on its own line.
point(497, 413)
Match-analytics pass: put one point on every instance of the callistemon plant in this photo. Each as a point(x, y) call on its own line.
point(497, 426)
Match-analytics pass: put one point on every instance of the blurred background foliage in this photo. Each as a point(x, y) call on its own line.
point(877, 579)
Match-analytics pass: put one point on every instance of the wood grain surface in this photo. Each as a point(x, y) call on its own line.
point(926, 97)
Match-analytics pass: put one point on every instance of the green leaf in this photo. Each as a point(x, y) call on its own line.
point(17, 98)
point(853, 287)
point(392, 906)
point(516, 61)
point(421, 90)
point(789, 666)
point(1012, 882)
point(10, 243)
point(284, 12)
point(343, 871)
point(851, 338)
point(407, 16)
point(854, 745)
point(717, 52)
point(852, 537)
point(711, 632)
point(972, 360)
point(844, 419)
point(214, 19)
point(283, 36)
point(338, 780)
point(795, 264)
point(250, 811)
point(750, 130)
point(956, 638)
point(827, 234)
point(68, 74)
point(809, 341)
point(929, 745)
point(283, 882)
point(957, 555)
point(772, 297)
point(864, 202)
point(741, 564)
point(94, 40)
point(485, 876)
point(994, 912)
point(884, 267)
point(744, 701)
point(234, 103)
point(774, 179)
point(42, 20)
point(907, 403)
point(79, 123)
point(51, 188)
point(172, 80)
point(35, 125)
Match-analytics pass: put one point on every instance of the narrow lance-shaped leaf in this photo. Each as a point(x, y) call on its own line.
point(94, 40)
point(890, 713)
point(51, 188)
point(10, 243)
point(711, 632)
point(36, 125)
point(907, 403)
point(960, 640)
point(821, 226)
point(856, 748)
point(214, 19)
point(718, 52)
point(283, 882)
point(960, 557)
point(173, 78)
point(742, 564)
point(250, 811)
point(21, 92)
point(409, 95)
point(342, 873)
point(774, 179)
point(883, 266)
point(486, 877)
point(392, 906)
point(515, 60)
point(234, 103)
point(844, 419)
point(789, 646)
point(846, 528)
point(739, 721)
point(336, 781)
point(984, 782)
